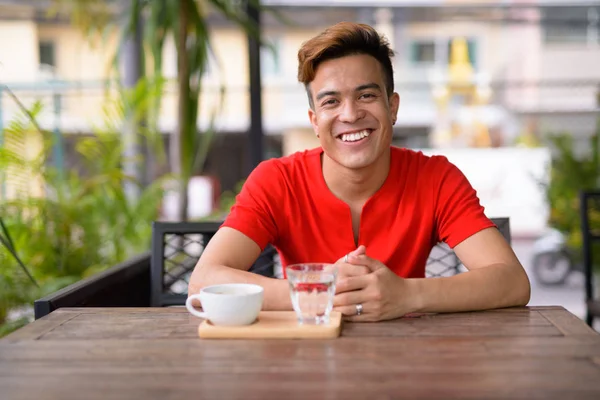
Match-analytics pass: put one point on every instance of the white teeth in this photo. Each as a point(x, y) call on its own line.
point(353, 137)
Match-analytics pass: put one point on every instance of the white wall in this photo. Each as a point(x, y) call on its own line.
point(77, 57)
point(507, 181)
point(18, 51)
point(567, 62)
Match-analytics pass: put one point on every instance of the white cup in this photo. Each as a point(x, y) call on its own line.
point(229, 304)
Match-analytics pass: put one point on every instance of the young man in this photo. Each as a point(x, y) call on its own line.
point(375, 209)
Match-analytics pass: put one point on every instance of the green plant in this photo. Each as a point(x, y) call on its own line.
point(186, 22)
point(58, 228)
point(569, 174)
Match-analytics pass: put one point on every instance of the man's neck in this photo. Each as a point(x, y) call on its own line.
point(355, 185)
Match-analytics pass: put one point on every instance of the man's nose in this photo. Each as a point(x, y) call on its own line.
point(350, 112)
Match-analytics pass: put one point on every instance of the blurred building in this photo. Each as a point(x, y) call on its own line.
point(536, 61)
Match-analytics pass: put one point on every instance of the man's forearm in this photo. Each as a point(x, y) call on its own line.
point(495, 286)
point(276, 296)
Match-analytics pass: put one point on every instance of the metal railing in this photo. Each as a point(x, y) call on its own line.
point(71, 107)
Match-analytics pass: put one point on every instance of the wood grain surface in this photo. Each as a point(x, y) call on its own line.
point(155, 353)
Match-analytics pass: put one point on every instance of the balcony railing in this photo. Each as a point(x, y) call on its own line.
point(78, 106)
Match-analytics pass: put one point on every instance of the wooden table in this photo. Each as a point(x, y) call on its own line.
point(149, 353)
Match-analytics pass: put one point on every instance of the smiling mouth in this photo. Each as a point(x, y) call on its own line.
point(356, 136)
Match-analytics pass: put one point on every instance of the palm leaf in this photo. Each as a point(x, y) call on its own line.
point(7, 241)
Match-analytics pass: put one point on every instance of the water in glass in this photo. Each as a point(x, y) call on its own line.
point(312, 288)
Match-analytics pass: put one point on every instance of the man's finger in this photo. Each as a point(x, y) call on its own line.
point(348, 311)
point(350, 314)
point(360, 250)
point(367, 261)
point(350, 298)
point(347, 270)
point(352, 283)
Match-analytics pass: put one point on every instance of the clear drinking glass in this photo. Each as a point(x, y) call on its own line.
point(312, 287)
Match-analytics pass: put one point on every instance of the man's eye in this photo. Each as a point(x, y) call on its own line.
point(367, 95)
point(329, 102)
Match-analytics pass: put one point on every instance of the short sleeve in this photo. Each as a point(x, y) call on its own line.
point(459, 213)
point(255, 212)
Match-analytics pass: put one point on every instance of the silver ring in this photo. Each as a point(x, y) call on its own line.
point(346, 258)
point(359, 309)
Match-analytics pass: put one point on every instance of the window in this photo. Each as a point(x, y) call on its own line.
point(565, 33)
point(575, 25)
point(423, 52)
point(47, 53)
point(270, 58)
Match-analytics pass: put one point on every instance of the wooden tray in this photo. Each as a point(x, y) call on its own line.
point(274, 325)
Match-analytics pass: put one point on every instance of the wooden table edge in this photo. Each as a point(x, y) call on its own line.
point(566, 322)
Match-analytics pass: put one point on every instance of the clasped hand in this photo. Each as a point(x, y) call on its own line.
point(365, 281)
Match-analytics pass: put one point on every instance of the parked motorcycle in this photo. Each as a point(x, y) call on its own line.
point(552, 262)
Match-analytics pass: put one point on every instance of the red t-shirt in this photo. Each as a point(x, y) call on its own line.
point(424, 200)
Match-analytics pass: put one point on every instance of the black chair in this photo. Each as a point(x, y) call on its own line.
point(443, 262)
point(176, 248)
point(589, 207)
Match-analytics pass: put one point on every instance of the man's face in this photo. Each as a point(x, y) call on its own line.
point(352, 113)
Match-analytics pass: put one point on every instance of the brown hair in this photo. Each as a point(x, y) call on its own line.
point(344, 39)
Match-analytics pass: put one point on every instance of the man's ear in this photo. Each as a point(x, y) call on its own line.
point(312, 116)
point(394, 106)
